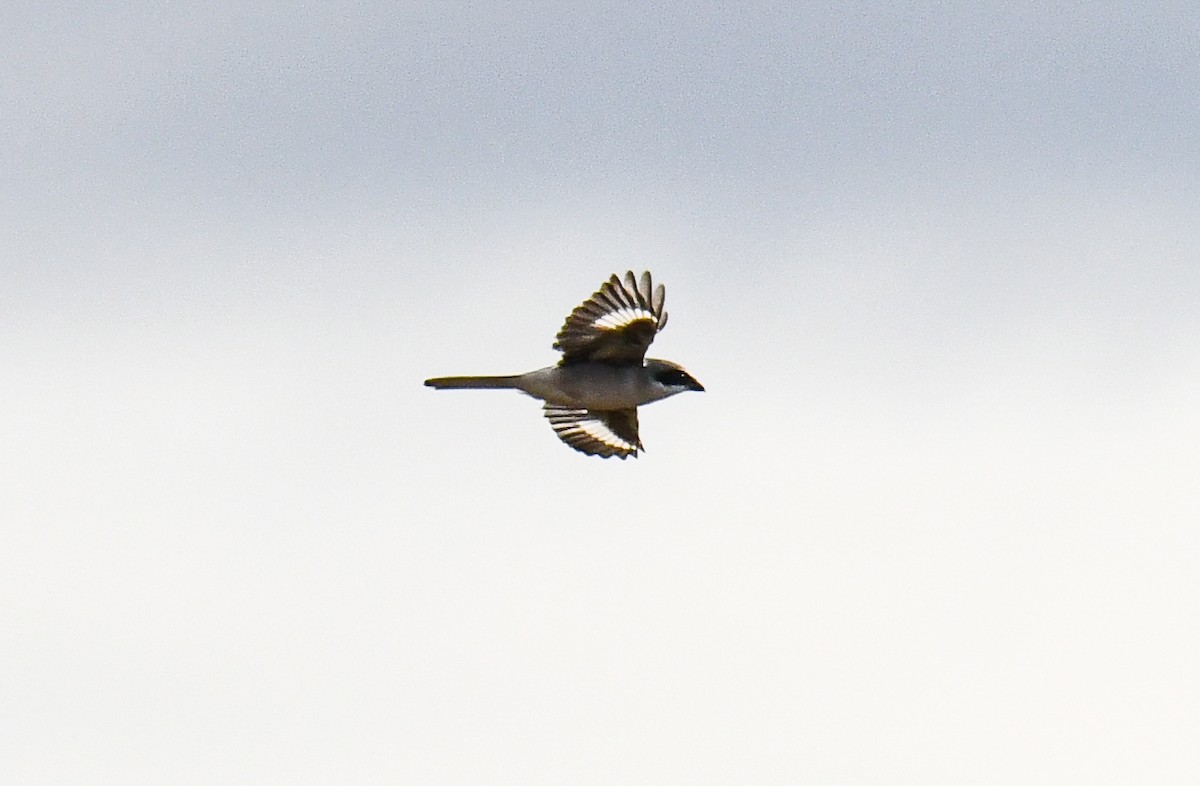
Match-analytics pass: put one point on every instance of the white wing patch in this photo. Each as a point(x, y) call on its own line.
point(599, 431)
point(615, 320)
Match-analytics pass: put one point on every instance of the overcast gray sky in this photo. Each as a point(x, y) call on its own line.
point(934, 521)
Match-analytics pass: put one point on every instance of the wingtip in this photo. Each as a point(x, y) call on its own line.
point(645, 288)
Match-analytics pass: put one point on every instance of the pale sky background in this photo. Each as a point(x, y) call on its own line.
point(936, 520)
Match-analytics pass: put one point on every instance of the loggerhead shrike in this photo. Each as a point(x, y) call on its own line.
point(592, 395)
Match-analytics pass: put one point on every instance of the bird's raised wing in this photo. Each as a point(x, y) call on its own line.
point(615, 325)
point(608, 432)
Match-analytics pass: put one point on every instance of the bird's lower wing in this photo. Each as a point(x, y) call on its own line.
point(597, 432)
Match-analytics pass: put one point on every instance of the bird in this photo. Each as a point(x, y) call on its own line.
point(592, 396)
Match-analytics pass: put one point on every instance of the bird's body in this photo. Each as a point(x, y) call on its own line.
point(582, 385)
point(591, 397)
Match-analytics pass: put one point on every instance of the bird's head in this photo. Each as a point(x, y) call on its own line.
point(672, 376)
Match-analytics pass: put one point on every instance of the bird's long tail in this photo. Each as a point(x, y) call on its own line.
point(471, 383)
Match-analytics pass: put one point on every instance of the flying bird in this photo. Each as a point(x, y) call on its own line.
point(591, 397)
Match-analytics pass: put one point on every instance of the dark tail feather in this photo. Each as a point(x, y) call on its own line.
point(471, 383)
